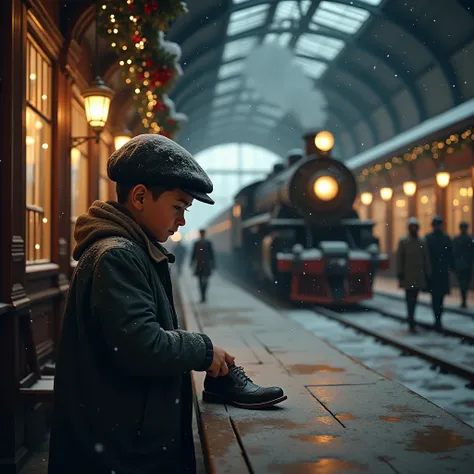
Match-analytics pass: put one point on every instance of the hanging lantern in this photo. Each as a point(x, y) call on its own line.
point(442, 178)
point(97, 99)
point(366, 198)
point(386, 193)
point(409, 188)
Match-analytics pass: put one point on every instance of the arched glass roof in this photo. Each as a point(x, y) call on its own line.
point(382, 65)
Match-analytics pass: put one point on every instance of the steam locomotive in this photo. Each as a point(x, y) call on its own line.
point(297, 230)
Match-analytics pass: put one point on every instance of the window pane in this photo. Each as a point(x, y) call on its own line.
point(400, 217)
point(426, 208)
point(248, 19)
point(38, 187)
point(460, 202)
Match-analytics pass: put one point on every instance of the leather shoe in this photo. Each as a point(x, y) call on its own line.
point(236, 388)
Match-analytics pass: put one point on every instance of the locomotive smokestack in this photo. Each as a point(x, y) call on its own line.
point(309, 145)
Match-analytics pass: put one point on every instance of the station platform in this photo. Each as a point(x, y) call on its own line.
point(340, 416)
point(389, 287)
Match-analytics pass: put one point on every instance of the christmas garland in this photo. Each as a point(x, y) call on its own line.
point(437, 150)
point(150, 64)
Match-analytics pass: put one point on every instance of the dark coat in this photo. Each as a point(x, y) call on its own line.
point(463, 254)
point(441, 259)
point(122, 395)
point(203, 258)
point(413, 265)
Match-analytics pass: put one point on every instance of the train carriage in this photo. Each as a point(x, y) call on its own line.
point(298, 230)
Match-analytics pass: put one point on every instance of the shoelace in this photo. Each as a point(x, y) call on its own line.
point(240, 373)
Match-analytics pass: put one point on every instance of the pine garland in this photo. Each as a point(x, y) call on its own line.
point(134, 30)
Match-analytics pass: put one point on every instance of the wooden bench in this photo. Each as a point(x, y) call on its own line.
point(339, 417)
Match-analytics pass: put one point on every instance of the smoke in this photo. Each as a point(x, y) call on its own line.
point(273, 72)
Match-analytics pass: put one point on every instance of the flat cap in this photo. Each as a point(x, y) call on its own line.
point(437, 220)
point(154, 160)
point(413, 221)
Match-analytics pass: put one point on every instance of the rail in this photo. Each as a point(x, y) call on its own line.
point(35, 219)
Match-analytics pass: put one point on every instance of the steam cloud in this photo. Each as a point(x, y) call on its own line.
point(272, 71)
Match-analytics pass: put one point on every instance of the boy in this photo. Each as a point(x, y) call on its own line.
point(123, 398)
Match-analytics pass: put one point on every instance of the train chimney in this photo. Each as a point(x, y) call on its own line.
point(318, 143)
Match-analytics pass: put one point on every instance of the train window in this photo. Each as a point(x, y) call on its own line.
point(400, 218)
point(379, 215)
point(426, 208)
point(459, 203)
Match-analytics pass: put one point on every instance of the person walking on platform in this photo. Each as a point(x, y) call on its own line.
point(413, 268)
point(463, 255)
point(441, 260)
point(203, 260)
point(122, 392)
point(179, 251)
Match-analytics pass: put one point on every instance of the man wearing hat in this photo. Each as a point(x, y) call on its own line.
point(441, 259)
point(203, 261)
point(463, 255)
point(413, 268)
point(122, 395)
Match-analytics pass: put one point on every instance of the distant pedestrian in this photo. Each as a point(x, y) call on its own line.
point(179, 251)
point(441, 259)
point(463, 255)
point(413, 268)
point(203, 260)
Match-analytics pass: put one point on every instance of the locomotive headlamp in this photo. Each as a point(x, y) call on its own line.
point(324, 141)
point(326, 188)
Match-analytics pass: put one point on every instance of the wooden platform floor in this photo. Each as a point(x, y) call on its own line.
point(339, 417)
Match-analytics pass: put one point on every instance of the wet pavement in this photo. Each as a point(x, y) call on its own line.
point(445, 390)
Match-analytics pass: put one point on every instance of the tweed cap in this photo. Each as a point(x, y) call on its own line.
point(154, 160)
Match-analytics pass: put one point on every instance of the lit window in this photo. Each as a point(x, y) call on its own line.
point(238, 48)
point(311, 67)
point(340, 17)
point(247, 19)
point(312, 44)
point(228, 70)
point(38, 140)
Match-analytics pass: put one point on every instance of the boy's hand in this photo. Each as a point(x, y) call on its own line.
point(219, 362)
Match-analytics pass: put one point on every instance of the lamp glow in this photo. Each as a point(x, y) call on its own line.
point(366, 199)
point(386, 193)
point(120, 140)
point(409, 188)
point(324, 140)
point(176, 237)
point(97, 99)
point(325, 188)
point(442, 178)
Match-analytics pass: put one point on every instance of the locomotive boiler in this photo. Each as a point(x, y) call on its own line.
point(298, 231)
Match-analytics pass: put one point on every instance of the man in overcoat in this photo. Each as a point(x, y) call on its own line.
point(463, 254)
point(203, 260)
point(441, 260)
point(413, 268)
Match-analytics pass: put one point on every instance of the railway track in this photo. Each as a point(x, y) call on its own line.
point(444, 364)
